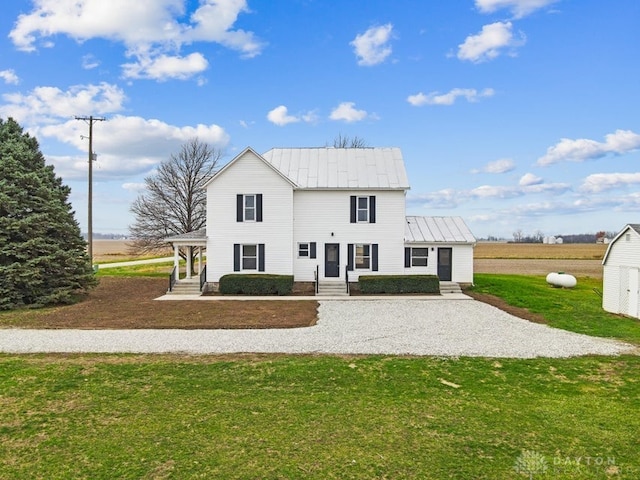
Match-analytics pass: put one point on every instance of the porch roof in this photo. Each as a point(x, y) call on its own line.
point(437, 230)
point(194, 238)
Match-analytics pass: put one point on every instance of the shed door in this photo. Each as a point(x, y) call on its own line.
point(633, 292)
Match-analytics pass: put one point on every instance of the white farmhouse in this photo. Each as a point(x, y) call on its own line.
point(621, 273)
point(330, 213)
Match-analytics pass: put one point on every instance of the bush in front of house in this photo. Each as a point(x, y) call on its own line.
point(399, 284)
point(256, 284)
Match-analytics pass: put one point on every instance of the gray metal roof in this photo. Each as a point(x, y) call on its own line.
point(437, 229)
point(338, 168)
point(185, 237)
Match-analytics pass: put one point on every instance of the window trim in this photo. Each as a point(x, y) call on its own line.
point(415, 257)
point(363, 256)
point(301, 249)
point(243, 257)
point(245, 208)
point(366, 210)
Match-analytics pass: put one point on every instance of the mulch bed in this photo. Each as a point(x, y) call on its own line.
point(125, 303)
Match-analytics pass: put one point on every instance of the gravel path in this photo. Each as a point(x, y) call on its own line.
point(398, 326)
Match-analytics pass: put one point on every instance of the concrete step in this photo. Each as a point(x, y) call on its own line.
point(186, 288)
point(333, 289)
point(449, 287)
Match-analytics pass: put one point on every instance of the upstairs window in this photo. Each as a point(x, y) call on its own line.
point(249, 207)
point(363, 209)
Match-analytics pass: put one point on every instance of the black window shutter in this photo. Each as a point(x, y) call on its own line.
point(236, 257)
point(353, 209)
point(374, 257)
point(407, 257)
point(261, 257)
point(312, 250)
point(350, 256)
point(259, 207)
point(239, 208)
point(372, 209)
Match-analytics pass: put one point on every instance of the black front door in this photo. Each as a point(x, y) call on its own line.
point(331, 259)
point(444, 264)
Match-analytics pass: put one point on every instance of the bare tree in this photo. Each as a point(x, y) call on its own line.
point(344, 141)
point(174, 201)
point(518, 235)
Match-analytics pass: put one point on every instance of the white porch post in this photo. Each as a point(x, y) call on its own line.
point(176, 259)
point(189, 263)
point(199, 260)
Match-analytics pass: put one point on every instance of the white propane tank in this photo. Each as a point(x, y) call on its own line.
point(561, 280)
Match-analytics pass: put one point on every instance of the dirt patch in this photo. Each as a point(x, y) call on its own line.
point(531, 266)
point(122, 303)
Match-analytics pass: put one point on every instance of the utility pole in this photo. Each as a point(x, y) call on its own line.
point(90, 120)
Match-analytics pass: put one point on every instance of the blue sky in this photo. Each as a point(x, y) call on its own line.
point(513, 114)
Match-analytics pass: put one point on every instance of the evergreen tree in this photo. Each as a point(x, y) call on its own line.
point(43, 258)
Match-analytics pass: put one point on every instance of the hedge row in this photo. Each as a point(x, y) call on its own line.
point(256, 284)
point(399, 284)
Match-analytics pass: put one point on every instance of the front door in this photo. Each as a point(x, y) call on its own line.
point(444, 264)
point(331, 259)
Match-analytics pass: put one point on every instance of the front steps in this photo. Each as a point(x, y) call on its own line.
point(332, 289)
point(186, 287)
point(449, 287)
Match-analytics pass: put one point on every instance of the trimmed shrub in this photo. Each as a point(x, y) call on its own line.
point(256, 284)
point(399, 284)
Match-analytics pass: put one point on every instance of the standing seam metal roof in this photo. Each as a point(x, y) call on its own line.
point(341, 168)
point(437, 229)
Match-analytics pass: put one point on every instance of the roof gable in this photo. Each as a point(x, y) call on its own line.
point(238, 158)
point(437, 229)
point(341, 168)
point(635, 227)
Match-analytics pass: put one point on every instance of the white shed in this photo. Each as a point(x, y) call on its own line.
point(621, 275)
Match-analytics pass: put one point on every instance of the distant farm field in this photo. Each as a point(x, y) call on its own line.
point(578, 259)
point(115, 251)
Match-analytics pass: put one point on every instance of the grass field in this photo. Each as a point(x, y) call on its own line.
point(333, 417)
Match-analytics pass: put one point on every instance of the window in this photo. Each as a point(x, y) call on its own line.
point(627, 237)
point(249, 257)
point(419, 257)
point(363, 256)
point(249, 208)
point(363, 209)
point(303, 250)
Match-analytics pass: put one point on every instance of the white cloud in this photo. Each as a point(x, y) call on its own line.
point(502, 165)
point(89, 62)
point(372, 47)
point(519, 8)
point(165, 67)
point(579, 150)
point(46, 104)
point(125, 145)
point(449, 98)
point(347, 112)
point(529, 179)
point(489, 43)
point(599, 182)
point(150, 29)
point(445, 198)
point(9, 77)
point(280, 116)
point(134, 187)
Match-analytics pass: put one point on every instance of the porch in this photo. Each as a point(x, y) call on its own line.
point(191, 280)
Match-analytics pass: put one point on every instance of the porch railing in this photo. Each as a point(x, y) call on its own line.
point(316, 279)
point(173, 278)
point(203, 277)
point(346, 276)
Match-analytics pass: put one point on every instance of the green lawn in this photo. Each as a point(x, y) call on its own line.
point(316, 417)
point(324, 417)
point(578, 309)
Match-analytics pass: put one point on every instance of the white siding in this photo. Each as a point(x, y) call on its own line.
point(461, 256)
point(323, 216)
point(623, 255)
point(249, 175)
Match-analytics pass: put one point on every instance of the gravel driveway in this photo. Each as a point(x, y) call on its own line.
point(394, 326)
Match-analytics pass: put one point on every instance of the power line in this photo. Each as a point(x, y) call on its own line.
point(90, 120)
